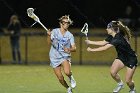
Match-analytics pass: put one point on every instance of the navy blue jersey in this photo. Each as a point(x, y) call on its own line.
point(124, 51)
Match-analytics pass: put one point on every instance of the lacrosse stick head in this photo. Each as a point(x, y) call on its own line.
point(30, 12)
point(84, 30)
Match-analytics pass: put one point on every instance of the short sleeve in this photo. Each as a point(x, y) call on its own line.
point(54, 39)
point(72, 40)
point(52, 34)
point(115, 42)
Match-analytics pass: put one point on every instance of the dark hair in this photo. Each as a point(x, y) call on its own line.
point(119, 27)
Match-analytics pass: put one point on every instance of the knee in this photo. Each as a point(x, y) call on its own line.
point(68, 73)
point(112, 73)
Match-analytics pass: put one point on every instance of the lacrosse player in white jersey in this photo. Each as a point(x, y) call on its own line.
point(62, 44)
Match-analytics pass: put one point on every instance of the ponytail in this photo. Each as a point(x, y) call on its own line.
point(124, 30)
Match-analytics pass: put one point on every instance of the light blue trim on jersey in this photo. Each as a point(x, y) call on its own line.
point(57, 54)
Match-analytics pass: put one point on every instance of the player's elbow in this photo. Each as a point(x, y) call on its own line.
point(74, 49)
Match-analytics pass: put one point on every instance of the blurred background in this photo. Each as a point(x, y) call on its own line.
point(97, 13)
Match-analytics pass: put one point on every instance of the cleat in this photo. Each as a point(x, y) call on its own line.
point(119, 87)
point(69, 90)
point(132, 91)
point(72, 82)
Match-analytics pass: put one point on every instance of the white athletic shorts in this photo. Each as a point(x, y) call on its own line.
point(55, 62)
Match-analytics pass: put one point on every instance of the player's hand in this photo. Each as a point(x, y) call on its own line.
point(67, 50)
point(89, 49)
point(87, 42)
point(49, 32)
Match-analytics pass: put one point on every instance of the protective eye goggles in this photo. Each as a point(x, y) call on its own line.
point(64, 22)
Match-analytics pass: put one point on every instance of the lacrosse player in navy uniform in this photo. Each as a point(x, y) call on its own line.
point(119, 37)
point(62, 44)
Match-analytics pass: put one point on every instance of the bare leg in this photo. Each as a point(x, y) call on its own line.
point(68, 72)
point(67, 68)
point(60, 76)
point(129, 75)
point(115, 68)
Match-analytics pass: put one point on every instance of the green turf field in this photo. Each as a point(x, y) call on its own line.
point(41, 79)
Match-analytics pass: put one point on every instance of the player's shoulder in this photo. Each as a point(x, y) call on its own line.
point(108, 38)
point(118, 36)
point(69, 34)
point(55, 30)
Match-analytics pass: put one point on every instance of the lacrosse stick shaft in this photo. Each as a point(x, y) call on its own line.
point(87, 39)
point(86, 36)
point(43, 26)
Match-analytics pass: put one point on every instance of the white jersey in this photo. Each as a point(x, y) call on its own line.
point(59, 41)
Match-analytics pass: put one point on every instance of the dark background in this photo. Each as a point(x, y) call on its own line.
point(96, 12)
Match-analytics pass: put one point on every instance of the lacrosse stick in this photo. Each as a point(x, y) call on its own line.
point(84, 30)
point(30, 12)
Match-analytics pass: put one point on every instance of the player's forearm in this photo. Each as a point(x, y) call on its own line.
point(102, 48)
point(100, 43)
point(73, 49)
point(98, 49)
point(68, 50)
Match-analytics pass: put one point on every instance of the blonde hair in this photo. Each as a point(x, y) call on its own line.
point(14, 19)
point(66, 17)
